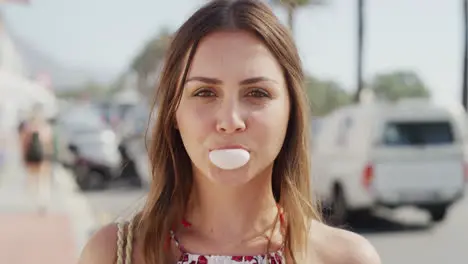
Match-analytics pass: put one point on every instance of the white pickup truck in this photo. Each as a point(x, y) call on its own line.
point(390, 155)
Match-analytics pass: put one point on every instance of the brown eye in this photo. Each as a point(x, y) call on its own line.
point(258, 93)
point(204, 93)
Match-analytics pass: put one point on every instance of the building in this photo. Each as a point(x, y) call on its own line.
point(18, 93)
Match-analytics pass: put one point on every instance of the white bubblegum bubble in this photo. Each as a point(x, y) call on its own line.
point(229, 159)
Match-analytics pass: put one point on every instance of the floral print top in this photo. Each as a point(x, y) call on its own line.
point(275, 258)
point(189, 258)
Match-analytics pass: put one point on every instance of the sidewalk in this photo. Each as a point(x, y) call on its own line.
point(27, 237)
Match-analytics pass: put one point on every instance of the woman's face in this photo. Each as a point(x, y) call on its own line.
point(235, 95)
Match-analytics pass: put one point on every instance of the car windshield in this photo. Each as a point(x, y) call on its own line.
point(83, 119)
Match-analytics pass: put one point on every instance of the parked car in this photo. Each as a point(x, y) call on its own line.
point(114, 109)
point(93, 145)
point(389, 155)
point(135, 133)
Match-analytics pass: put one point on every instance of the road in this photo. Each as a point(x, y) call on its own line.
point(115, 202)
point(407, 237)
point(403, 237)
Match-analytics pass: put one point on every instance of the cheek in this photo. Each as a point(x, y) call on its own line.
point(193, 123)
point(269, 126)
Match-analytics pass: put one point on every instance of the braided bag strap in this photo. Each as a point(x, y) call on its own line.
point(129, 244)
point(120, 244)
point(127, 257)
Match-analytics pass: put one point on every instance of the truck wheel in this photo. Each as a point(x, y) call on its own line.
point(438, 213)
point(93, 180)
point(81, 172)
point(96, 180)
point(339, 210)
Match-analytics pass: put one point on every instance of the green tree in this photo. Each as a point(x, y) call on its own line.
point(399, 84)
point(292, 6)
point(325, 96)
point(69, 94)
point(90, 89)
point(147, 63)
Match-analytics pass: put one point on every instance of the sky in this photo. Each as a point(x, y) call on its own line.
point(420, 35)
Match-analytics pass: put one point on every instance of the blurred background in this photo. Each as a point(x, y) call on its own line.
point(387, 85)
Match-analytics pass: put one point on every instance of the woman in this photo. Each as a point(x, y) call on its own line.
point(37, 147)
point(232, 79)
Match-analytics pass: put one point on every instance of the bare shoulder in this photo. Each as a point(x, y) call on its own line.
point(101, 247)
point(337, 246)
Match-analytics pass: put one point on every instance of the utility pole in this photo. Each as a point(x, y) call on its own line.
point(465, 56)
point(360, 51)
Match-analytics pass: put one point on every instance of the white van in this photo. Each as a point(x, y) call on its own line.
point(390, 155)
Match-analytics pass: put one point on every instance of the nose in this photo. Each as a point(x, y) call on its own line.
point(230, 119)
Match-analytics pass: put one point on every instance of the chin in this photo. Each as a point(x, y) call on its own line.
point(234, 177)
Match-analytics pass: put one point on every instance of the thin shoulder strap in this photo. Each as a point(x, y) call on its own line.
point(128, 243)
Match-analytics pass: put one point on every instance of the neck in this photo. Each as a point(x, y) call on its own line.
point(233, 211)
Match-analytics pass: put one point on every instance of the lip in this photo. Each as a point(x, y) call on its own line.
point(230, 147)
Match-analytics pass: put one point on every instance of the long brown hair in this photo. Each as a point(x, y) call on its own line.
point(171, 166)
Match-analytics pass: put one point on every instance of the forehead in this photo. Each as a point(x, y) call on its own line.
point(233, 54)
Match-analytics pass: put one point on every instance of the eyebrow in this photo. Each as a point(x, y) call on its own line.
point(216, 81)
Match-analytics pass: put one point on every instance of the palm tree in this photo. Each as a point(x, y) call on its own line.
point(465, 57)
point(360, 47)
point(147, 63)
point(293, 5)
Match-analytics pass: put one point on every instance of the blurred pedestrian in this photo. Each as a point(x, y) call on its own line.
point(37, 150)
point(233, 80)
